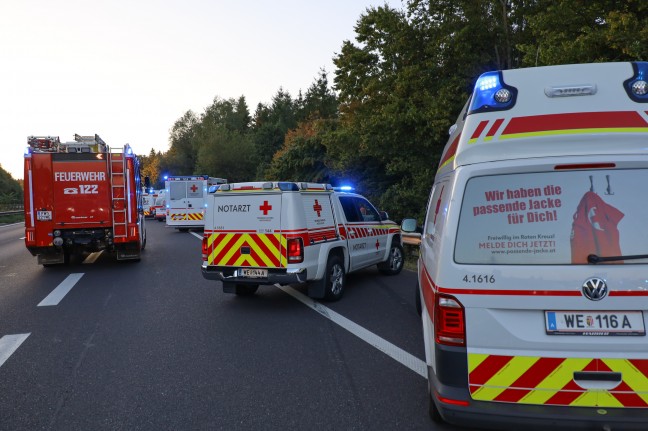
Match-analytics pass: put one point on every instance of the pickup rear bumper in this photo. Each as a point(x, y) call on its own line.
point(275, 276)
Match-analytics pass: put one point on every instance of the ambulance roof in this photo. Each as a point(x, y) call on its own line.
point(277, 186)
point(552, 111)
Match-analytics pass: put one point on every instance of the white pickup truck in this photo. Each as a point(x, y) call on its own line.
point(262, 233)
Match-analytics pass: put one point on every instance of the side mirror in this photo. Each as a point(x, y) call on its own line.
point(408, 225)
point(383, 215)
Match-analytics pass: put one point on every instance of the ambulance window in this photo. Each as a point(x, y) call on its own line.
point(554, 218)
point(177, 190)
point(350, 210)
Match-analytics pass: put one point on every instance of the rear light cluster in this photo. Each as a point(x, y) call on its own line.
point(295, 250)
point(449, 324)
point(204, 248)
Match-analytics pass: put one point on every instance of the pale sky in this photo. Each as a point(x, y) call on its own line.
point(128, 69)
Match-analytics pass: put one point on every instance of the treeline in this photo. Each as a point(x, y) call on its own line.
point(10, 189)
point(382, 124)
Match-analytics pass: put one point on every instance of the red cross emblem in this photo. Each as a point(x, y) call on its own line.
point(265, 207)
point(318, 208)
point(377, 244)
point(193, 188)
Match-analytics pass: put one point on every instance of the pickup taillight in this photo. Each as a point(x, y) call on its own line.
point(449, 322)
point(204, 248)
point(295, 250)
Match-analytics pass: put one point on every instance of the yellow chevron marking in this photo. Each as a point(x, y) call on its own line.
point(474, 359)
point(232, 249)
point(260, 253)
point(245, 258)
point(504, 378)
point(604, 399)
point(631, 376)
point(555, 381)
point(225, 239)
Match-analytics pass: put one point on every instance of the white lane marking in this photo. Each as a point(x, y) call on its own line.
point(400, 355)
point(394, 352)
point(92, 257)
point(9, 344)
point(61, 290)
point(196, 235)
point(12, 224)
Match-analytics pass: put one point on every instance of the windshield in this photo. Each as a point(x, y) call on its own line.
point(554, 218)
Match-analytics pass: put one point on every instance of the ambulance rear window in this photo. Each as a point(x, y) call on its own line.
point(554, 218)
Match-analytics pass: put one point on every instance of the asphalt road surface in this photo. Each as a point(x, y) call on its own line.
point(106, 345)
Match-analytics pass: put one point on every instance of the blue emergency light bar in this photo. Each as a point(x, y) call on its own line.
point(492, 94)
point(637, 86)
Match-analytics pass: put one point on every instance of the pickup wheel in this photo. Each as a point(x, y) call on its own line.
point(394, 263)
point(246, 289)
point(334, 279)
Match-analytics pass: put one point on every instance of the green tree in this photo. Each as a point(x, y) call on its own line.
point(181, 157)
point(10, 189)
point(271, 123)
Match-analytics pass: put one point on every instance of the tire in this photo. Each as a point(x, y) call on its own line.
point(246, 289)
point(334, 279)
point(394, 263)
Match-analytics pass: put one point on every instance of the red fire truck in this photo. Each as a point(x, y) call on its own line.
point(82, 196)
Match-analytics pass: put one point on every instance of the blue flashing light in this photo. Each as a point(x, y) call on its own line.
point(345, 188)
point(166, 177)
point(492, 94)
point(27, 150)
point(637, 86)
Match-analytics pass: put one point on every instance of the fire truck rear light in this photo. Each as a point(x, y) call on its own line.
point(449, 325)
point(57, 232)
point(295, 250)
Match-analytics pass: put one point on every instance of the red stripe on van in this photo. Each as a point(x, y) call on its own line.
point(480, 128)
point(495, 127)
point(576, 120)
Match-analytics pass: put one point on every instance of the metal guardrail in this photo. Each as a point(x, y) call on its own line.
point(411, 238)
point(16, 212)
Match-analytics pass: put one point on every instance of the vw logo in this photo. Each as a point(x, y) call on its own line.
point(595, 289)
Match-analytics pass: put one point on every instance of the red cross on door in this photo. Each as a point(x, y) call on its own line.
point(193, 188)
point(318, 208)
point(265, 207)
point(377, 244)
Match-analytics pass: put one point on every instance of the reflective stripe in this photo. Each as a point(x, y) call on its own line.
point(539, 380)
point(265, 250)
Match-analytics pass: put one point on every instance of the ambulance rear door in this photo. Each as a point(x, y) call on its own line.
point(247, 230)
point(185, 203)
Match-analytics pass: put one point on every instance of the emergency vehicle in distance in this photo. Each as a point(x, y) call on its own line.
point(284, 232)
point(185, 202)
point(82, 196)
point(534, 254)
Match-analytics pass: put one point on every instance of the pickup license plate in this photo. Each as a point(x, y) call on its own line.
point(253, 273)
point(44, 215)
point(594, 323)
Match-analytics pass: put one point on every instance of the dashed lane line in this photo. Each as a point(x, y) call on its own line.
point(61, 290)
point(9, 344)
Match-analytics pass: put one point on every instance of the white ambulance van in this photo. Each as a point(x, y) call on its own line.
point(262, 233)
point(533, 268)
point(185, 200)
